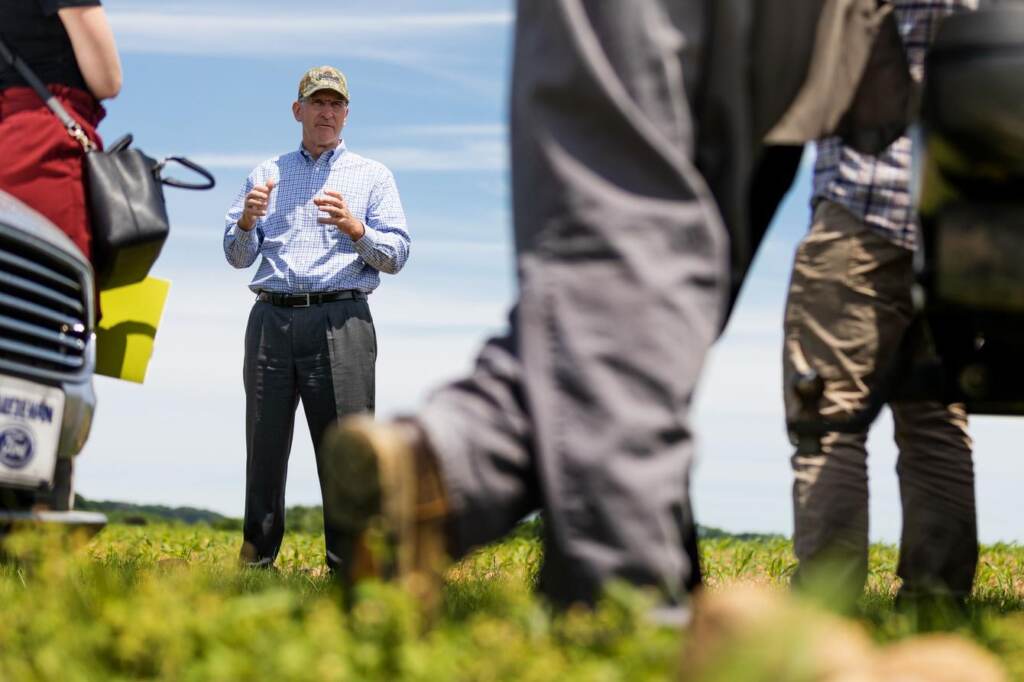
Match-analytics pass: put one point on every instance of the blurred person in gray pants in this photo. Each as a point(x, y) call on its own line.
point(581, 409)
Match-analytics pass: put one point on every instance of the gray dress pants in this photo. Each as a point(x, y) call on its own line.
point(580, 410)
point(324, 354)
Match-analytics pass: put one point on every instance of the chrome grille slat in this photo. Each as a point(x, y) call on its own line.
point(44, 307)
point(37, 310)
point(34, 288)
point(42, 333)
point(37, 269)
point(69, 361)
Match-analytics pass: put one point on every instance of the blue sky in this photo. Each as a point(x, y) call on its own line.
point(215, 80)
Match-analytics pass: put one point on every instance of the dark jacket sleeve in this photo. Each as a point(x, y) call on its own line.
point(757, 59)
point(773, 66)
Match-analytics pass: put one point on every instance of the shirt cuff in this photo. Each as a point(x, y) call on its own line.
point(367, 244)
point(243, 236)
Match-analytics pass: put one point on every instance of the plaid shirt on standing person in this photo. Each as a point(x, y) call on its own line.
point(876, 189)
point(299, 255)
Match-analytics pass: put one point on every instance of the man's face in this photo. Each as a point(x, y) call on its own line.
point(322, 116)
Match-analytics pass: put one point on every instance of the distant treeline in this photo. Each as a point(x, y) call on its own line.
point(139, 514)
point(711, 533)
point(297, 518)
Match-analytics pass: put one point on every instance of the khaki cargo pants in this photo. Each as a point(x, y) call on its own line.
point(848, 310)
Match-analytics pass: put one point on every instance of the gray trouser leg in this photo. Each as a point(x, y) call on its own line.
point(271, 397)
point(581, 410)
point(336, 379)
point(326, 356)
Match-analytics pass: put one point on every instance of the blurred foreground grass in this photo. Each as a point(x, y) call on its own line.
point(169, 603)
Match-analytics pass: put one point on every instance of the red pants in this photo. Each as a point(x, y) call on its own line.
point(40, 164)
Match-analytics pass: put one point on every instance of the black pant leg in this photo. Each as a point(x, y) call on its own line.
point(271, 397)
point(335, 378)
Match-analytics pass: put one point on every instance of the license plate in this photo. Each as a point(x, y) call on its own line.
point(30, 416)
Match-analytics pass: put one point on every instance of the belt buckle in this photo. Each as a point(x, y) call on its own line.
point(306, 304)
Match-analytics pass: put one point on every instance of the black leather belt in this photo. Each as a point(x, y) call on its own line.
point(306, 300)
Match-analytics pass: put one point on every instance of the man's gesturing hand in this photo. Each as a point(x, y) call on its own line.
point(333, 204)
point(256, 204)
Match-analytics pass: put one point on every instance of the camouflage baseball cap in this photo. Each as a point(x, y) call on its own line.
point(323, 78)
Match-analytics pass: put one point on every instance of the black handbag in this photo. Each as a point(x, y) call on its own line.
point(126, 203)
point(124, 192)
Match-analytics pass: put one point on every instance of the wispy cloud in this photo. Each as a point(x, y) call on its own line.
point(467, 155)
point(450, 130)
point(426, 42)
point(389, 24)
point(464, 247)
point(392, 37)
point(470, 156)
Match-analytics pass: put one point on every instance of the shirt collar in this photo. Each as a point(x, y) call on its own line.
point(331, 155)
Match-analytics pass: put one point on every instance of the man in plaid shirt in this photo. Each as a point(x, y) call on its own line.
point(323, 223)
point(848, 312)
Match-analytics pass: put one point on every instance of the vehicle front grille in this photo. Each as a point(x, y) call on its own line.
point(44, 315)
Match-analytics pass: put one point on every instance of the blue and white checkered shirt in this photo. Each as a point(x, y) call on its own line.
point(299, 254)
point(876, 189)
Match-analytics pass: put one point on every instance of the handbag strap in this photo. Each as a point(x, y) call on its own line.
point(208, 182)
point(72, 127)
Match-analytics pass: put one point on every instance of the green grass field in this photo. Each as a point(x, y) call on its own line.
point(168, 602)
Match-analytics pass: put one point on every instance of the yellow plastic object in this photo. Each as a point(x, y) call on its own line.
point(124, 338)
